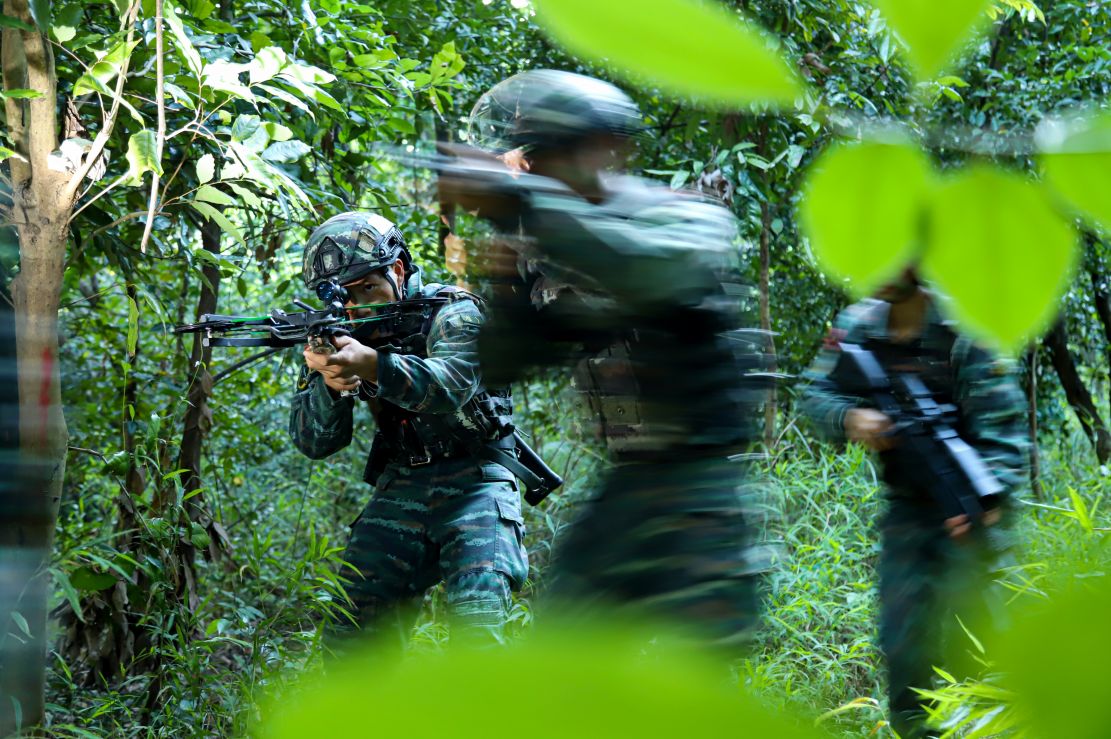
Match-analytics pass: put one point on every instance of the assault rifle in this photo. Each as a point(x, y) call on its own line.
point(314, 326)
point(929, 447)
point(390, 326)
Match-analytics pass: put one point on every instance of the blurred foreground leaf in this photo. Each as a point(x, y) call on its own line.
point(861, 211)
point(573, 683)
point(1058, 663)
point(1001, 251)
point(687, 48)
point(934, 30)
point(1077, 162)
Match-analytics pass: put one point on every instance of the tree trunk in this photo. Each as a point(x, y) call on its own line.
point(43, 445)
point(197, 422)
point(765, 318)
point(1057, 341)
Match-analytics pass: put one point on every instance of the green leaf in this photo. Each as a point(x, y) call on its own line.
point(40, 12)
point(6, 21)
point(198, 535)
point(20, 93)
point(1077, 162)
point(132, 326)
point(206, 168)
point(66, 23)
point(686, 47)
point(1003, 254)
point(210, 194)
point(85, 578)
point(861, 209)
point(70, 592)
point(21, 622)
point(143, 155)
point(5, 152)
point(184, 45)
point(225, 76)
point(219, 218)
point(246, 197)
point(934, 31)
point(245, 127)
point(286, 151)
point(266, 64)
point(278, 132)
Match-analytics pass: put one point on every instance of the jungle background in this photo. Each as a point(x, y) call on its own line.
point(178, 153)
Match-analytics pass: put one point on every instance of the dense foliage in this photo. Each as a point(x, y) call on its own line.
point(196, 553)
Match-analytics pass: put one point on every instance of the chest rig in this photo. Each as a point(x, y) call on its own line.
point(413, 439)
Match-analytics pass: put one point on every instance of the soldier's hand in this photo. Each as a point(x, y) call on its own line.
point(959, 526)
point(869, 427)
point(343, 369)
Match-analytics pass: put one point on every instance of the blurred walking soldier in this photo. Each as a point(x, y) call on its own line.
point(438, 512)
point(639, 284)
point(938, 559)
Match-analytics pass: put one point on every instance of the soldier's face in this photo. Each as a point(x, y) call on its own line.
point(375, 288)
point(901, 288)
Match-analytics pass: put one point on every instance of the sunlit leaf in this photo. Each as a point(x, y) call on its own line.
point(210, 194)
point(1001, 251)
point(286, 151)
point(184, 44)
point(206, 168)
point(934, 31)
point(861, 211)
point(1077, 161)
point(266, 64)
point(66, 23)
point(210, 213)
point(20, 94)
point(688, 48)
point(143, 155)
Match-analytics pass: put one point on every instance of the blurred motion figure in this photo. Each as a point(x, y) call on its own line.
point(639, 285)
point(932, 568)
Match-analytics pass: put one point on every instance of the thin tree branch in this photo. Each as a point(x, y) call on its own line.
point(69, 193)
point(160, 135)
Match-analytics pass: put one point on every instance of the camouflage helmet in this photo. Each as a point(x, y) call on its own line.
point(350, 246)
point(547, 108)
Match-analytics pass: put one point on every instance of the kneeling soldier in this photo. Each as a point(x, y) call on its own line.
point(438, 511)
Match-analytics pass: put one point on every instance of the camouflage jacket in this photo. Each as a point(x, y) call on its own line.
point(440, 382)
point(992, 408)
point(644, 290)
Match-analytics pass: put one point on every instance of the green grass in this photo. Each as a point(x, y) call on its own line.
point(257, 625)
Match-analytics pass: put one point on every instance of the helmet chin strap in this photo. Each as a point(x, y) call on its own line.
point(393, 284)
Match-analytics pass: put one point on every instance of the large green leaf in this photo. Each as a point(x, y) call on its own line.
point(206, 168)
point(861, 210)
point(622, 682)
point(1077, 162)
point(143, 155)
point(686, 47)
point(210, 213)
point(181, 40)
point(934, 31)
point(1001, 251)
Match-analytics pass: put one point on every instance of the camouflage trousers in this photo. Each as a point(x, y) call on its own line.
point(458, 521)
point(665, 540)
point(927, 582)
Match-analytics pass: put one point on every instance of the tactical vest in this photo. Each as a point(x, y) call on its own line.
point(414, 439)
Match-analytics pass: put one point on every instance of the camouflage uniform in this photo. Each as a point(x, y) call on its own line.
point(925, 575)
point(452, 518)
point(646, 282)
